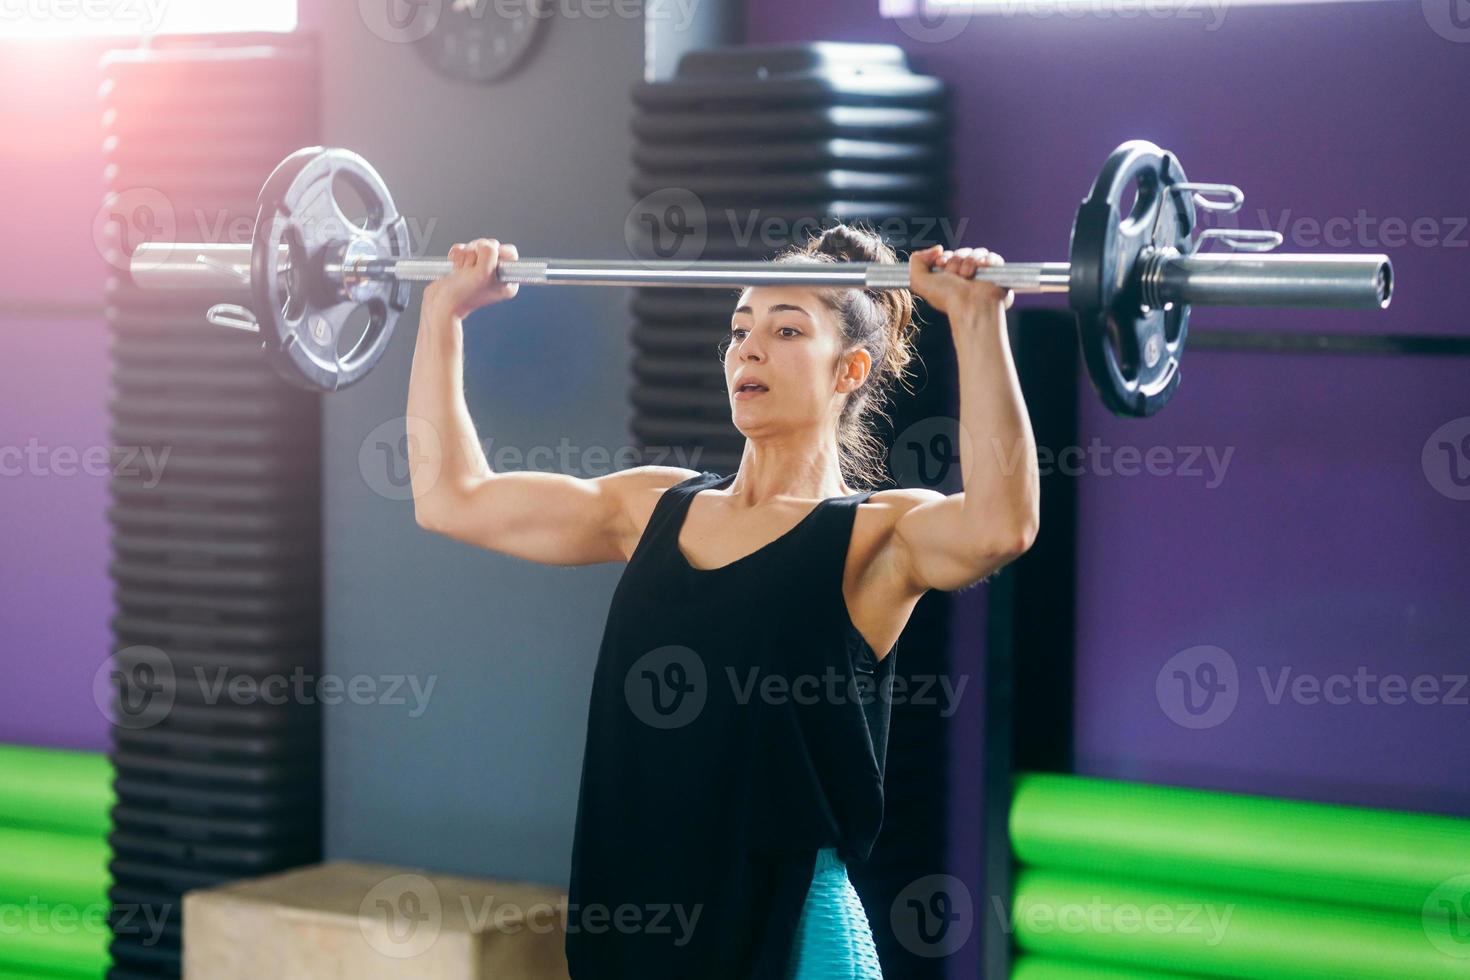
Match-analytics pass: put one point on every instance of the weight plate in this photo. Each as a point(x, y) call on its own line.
point(855, 122)
point(809, 155)
point(304, 314)
point(1132, 351)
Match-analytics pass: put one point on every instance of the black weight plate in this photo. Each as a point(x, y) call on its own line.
point(167, 634)
point(742, 189)
point(140, 490)
point(301, 320)
point(808, 155)
point(244, 858)
point(198, 708)
point(190, 608)
point(230, 379)
point(273, 438)
point(1132, 352)
point(757, 60)
point(157, 959)
point(849, 122)
point(208, 830)
point(274, 775)
point(153, 575)
point(277, 747)
point(832, 88)
point(265, 809)
point(214, 525)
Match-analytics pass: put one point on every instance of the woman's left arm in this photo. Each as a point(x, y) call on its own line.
point(948, 542)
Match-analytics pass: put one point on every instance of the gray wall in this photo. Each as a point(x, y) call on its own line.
point(485, 780)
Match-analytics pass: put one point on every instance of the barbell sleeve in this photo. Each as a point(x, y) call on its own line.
point(1262, 279)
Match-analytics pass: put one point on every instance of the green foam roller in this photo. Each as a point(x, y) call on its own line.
point(46, 945)
point(1386, 859)
point(1049, 968)
point(55, 789)
point(1228, 934)
point(58, 868)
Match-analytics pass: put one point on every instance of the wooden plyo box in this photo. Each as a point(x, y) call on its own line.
point(350, 920)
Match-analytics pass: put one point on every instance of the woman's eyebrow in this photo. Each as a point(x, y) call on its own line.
point(776, 308)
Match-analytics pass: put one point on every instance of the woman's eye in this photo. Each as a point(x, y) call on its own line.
point(794, 332)
point(735, 334)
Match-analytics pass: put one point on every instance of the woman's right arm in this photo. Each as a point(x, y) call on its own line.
point(550, 518)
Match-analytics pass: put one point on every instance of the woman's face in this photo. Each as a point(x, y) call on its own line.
point(787, 340)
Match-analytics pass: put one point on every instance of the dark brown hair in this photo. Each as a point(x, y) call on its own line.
point(880, 321)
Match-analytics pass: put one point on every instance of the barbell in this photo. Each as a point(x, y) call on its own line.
point(1135, 269)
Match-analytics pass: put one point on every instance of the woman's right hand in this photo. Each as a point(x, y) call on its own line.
point(472, 283)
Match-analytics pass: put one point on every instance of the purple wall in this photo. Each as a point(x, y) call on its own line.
point(1333, 541)
point(54, 594)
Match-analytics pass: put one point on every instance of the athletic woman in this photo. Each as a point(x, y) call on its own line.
point(738, 723)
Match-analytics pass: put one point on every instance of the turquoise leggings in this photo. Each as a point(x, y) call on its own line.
point(833, 938)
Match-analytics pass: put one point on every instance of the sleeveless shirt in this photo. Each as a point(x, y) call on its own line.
point(738, 723)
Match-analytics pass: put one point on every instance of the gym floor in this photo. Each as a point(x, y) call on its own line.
point(1254, 598)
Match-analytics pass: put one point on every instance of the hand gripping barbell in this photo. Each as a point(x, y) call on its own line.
point(1131, 279)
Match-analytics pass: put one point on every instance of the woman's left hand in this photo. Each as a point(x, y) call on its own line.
point(945, 280)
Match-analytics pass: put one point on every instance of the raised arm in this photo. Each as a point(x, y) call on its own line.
point(947, 542)
point(550, 518)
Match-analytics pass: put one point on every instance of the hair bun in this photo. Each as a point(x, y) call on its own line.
point(846, 243)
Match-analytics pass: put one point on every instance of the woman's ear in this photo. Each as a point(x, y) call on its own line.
point(856, 367)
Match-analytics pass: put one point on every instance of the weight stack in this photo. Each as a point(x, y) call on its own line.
point(215, 500)
point(745, 151)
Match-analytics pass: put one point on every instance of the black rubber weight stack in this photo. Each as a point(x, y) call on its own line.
point(215, 501)
point(744, 151)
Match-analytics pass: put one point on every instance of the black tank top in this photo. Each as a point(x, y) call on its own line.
point(738, 723)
